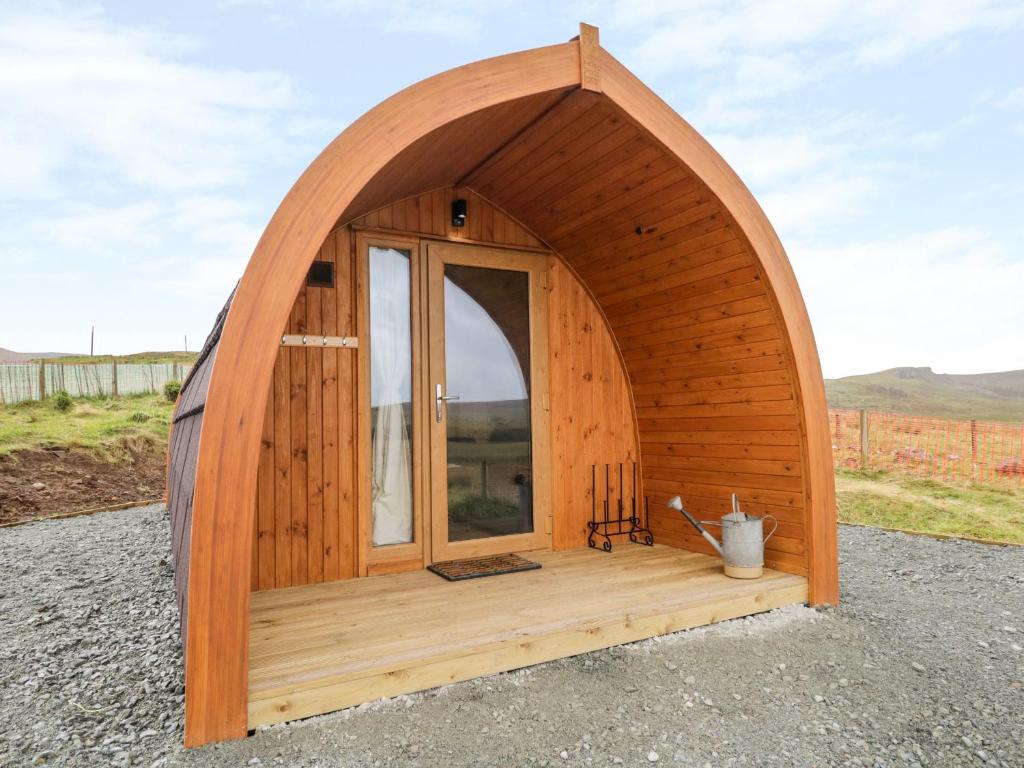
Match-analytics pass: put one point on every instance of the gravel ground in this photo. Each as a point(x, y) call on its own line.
point(921, 664)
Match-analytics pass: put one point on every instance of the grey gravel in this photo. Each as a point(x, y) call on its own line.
point(920, 665)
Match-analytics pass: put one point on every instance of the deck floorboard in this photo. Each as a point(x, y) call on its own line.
point(322, 647)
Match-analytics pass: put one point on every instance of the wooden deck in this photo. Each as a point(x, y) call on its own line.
point(322, 647)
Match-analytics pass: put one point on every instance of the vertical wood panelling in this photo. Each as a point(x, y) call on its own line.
point(297, 358)
point(266, 529)
point(591, 415)
point(314, 442)
point(305, 486)
point(330, 433)
point(345, 319)
point(306, 529)
point(430, 214)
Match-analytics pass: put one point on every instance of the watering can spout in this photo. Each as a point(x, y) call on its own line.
point(676, 503)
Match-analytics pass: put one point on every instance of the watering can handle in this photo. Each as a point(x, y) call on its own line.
point(774, 527)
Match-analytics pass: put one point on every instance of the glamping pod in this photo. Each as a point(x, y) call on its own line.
point(511, 302)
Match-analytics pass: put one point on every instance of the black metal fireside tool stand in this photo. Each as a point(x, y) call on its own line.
point(618, 525)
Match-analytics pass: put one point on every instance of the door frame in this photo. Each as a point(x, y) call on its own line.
point(436, 255)
point(393, 558)
point(390, 558)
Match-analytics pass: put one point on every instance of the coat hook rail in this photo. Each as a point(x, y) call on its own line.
point(308, 340)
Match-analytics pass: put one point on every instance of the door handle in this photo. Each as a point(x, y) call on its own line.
point(441, 400)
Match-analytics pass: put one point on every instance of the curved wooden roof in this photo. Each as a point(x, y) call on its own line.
point(643, 198)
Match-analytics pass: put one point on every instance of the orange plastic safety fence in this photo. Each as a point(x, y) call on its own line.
point(940, 449)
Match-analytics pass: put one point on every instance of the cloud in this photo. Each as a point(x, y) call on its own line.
point(134, 182)
point(441, 18)
point(948, 298)
point(1013, 100)
point(707, 34)
point(740, 54)
point(81, 95)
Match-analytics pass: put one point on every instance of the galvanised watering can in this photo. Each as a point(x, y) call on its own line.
point(743, 539)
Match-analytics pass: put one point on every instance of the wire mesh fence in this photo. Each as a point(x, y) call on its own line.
point(949, 450)
point(35, 381)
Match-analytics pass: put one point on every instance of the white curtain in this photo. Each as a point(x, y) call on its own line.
point(391, 362)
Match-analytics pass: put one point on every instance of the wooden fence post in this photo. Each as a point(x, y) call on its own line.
point(113, 378)
point(974, 446)
point(863, 439)
point(42, 379)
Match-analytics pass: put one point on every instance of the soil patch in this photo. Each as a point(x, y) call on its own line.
point(55, 481)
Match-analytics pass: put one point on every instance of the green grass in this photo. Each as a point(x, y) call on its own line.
point(138, 358)
point(104, 427)
point(880, 499)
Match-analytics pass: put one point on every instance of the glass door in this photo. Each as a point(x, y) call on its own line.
point(487, 349)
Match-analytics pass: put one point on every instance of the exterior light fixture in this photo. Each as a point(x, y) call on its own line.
point(459, 212)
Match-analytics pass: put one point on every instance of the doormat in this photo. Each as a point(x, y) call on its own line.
point(478, 567)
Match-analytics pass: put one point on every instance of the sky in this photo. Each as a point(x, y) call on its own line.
point(144, 146)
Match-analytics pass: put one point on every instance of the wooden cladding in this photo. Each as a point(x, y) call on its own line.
point(306, 529)
point(430, 214)
point(623, 180)
point(591, 413)
point(698, 329)
point(305, 501)
point(672, 353)
point(666, 344)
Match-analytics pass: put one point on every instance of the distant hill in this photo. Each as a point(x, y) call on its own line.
point(186, 358)
point(921, 391)
point(10, 356)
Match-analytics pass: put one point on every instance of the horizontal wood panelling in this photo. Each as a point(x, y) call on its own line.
point(665, 299)
point(542, 190)
point(778, 467)
point(690, 276)
point(655, 450)
point(710, 369)
point(710, 241)
point(736, 423)
point(722, 324)
point(704, 383)
point(764, 349)
point(549, 172)
point(554, 126)
point(666, 214)
point(708, 301)
point(620, 204)
point(703, 347)
point(728, 315)
point(721, 476)
point(609, 194)
point(659, 413)
point(451, 151)
point(714, 435)
point(716, 395)
point(700, 225)
point(757, 332)
point(751, 492)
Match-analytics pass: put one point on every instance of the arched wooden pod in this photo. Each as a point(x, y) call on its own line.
point(481, 126)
